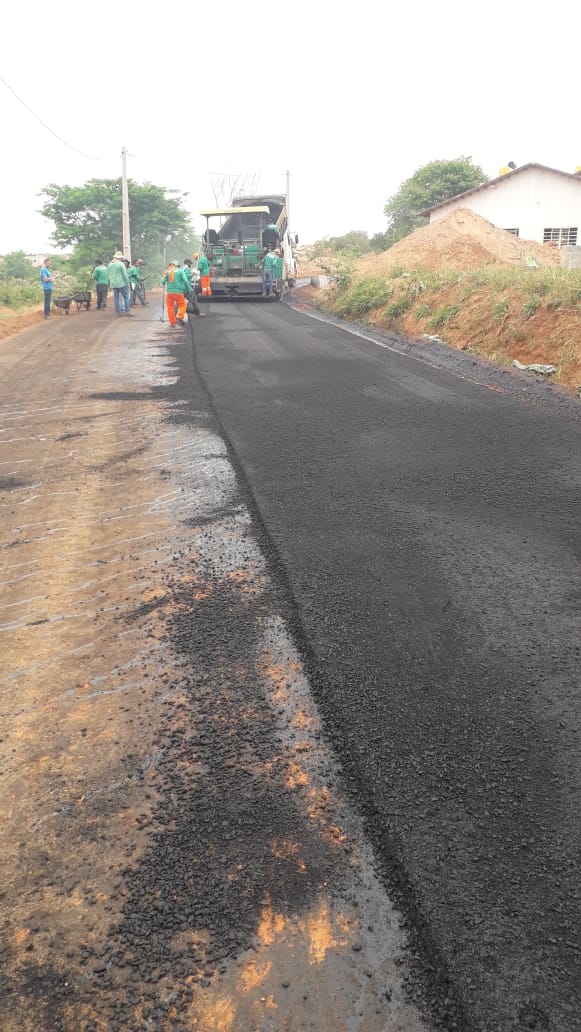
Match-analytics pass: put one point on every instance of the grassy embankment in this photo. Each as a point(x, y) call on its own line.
point(533, 315)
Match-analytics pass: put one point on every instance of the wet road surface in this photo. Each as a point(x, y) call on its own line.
point(426, 523)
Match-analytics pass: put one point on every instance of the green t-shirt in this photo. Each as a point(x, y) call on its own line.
point(203, 265)
point(179, 285)
point(100, 275)
point(188, 274)
point(118, 274)
point(134, 272)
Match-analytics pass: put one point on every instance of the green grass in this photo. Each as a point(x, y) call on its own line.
point(397, 292)
point(19, 293)
point(15, 293)
point(399, 306)
point(501, 309)
point(363, 296)
point(444, 316)
point(531, 305)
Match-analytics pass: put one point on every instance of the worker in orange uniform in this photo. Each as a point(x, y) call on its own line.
point(204, 270)
point(176, 286)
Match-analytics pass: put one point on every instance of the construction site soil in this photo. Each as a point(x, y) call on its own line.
point(460, 240)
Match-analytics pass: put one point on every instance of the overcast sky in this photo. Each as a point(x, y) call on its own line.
point(352, 98)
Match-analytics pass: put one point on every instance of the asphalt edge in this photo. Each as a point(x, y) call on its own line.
point(525, 387)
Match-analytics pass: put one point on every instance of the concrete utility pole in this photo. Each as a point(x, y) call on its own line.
point(288, 221)
point(125, 205)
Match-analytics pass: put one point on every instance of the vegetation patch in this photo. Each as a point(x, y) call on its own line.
point(444, 315)
point(486, 311)
point(362, 297)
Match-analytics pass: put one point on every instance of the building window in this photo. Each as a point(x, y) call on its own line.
point(513, 231)
point(560, 236)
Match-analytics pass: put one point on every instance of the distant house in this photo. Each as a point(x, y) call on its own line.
point(534, 202)
point(37, 259)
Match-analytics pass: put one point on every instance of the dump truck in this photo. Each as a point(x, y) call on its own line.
point(236, 240)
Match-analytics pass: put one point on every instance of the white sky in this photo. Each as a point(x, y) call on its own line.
point(351, 97)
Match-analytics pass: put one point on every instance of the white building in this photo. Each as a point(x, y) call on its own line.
point(534, 202)
point(37, 259)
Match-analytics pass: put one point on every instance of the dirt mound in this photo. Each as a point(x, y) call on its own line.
point(460, 240)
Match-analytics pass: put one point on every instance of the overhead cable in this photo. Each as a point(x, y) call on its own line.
point(47, 127)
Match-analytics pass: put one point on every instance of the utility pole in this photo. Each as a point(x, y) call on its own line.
point(288, 221)
point(125, 205)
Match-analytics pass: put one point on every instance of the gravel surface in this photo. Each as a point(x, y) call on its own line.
point(422, 508)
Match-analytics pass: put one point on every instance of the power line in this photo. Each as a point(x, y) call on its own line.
point(59, 138)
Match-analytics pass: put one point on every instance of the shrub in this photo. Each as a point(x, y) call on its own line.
point(363, 296)
point(16, 293)
point(443, 316)
point(399, 306)
point(423, 311)
point(501, 309)
point(531, 305)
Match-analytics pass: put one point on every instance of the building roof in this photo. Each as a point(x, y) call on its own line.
point(500, 179)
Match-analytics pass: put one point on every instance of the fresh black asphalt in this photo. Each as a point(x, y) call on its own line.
point(427, 530)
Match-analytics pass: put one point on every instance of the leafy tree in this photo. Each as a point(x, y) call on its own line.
point(379, 242)
point(89, 219)
point(17, 266)
point(354, 243)
point(432, 183)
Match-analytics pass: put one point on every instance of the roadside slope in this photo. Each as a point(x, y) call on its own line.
point(476, 287)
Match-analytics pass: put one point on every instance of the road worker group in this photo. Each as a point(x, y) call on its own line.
point(127, 284)
point(124, 279)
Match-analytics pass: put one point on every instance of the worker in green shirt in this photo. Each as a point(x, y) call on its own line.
point(101, 277)
point(136, 283)
point(191, 298)
point(119, 281)
point(176, 285)
point(204, 270)
point(268, 263)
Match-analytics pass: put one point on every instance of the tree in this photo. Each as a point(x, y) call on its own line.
point(379, 242)
point(354, 243)
point(438, 181)
point(89, 219)
point(17, 266)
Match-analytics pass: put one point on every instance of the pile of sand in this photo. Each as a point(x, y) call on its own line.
point(460, 240)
